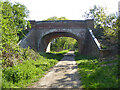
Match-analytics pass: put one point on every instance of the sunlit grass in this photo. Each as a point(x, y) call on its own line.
point(92, 75)
point(109, 62)
point(60, 52)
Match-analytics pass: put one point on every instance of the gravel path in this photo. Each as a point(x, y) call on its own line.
point(63, 75)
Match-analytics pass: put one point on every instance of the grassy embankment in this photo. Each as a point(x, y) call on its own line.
point(94, 75)
point(29, 71)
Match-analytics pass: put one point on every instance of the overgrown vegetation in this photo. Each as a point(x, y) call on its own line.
point(18, 64)
point(21, 67)
point(105, 27)
point(107, 31)
point(0, 46)
point(23, 74)
point(104, 23)
point(22, 34)
point(94, 75)
point(13, 22)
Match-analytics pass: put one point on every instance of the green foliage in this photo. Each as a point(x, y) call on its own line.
point(13, 22)
point(98, 14)
point(54, 55)
point(103, 46)
point(109, 62)
point(51, 56)
point(29, 70)
point(19, 57)
point(55, 18)
point(61, 52)
point(64, 43)
point(0, 45)
point(105, 25)
point(111, 28)
point(95, 76)
point(22, 34)
point(0, 28)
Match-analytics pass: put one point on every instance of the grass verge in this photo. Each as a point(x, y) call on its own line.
point(92, 75)
point(29, 71)
point(61, 52)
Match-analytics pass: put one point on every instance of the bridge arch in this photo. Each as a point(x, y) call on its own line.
point(42, 32)
point(47, 38)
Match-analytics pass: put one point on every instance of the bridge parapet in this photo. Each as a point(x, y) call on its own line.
point(68, 24)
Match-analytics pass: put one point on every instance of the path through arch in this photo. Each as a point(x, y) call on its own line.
point(63, 75)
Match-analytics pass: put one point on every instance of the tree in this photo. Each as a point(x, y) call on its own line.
point(105, 25)
point(111, 28)
point(55, 18)
point(13, 21)
point(97, 13)
point(118, 24)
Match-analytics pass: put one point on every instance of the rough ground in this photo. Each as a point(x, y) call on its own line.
point(63, 75)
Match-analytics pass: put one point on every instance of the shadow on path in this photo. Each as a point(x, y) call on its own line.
point(63, 75)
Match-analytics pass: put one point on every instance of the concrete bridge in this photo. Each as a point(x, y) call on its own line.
point(42, 32)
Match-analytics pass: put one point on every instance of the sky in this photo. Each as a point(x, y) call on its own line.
point(71, 9)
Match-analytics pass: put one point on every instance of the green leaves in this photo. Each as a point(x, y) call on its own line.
point(56, 18)
point(104, 23)
point(29, 70)
point(64, 43)
point(13, 21)
point(98, 14)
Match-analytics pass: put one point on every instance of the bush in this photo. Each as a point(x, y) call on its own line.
point(22, 34)
point(29, 70)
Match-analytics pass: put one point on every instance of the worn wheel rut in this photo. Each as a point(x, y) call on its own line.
point(63, 75)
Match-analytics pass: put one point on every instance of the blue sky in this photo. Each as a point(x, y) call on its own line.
point(71, 9)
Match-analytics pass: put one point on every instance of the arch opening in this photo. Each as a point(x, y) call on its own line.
point(46, 40)
point(62, 43)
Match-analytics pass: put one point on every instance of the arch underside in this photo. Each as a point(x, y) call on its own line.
point(46, 39)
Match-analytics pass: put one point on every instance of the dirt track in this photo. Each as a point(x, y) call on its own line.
point(63, 75)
